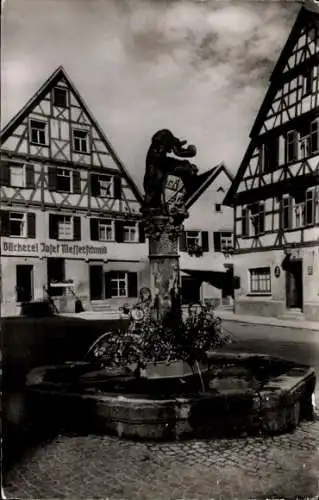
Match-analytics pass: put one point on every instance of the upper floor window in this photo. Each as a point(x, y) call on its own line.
point(37, 131)
point(310, 208)
point(63, 180)
point(80, 141)
point(292, 146)
point(223, 241)
point(244, 221)
point(286, 217)
point(102, 185)
point(64, 227)
point(257, 217)
point(60, 97)
point(106, 230)
point(194, 240)
point(314, 136)
point(130, 231)
point(218, 207)
point(17, 224)
point(270, 154)
point(17, 175)
point(307, 81)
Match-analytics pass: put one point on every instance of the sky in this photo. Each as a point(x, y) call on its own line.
point(198, 67)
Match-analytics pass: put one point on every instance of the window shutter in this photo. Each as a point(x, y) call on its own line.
point(205, 244)
point(141, 233)
point(4, 174)
point(119, 231)
point(95, 185)
point(52, 178)
point(29, 174)
point(117, 187)
point(31, 229)
point(76, 182)
point(77, 228)
point(53, 226)
point(132, 284)
point(217, 246)
point(107, 285)
point(94, 229)
point(5, 226)
point(182, 242)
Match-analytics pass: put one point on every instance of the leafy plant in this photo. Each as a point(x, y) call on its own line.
point(153, 341)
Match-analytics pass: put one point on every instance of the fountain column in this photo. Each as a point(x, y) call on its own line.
point(163, 234)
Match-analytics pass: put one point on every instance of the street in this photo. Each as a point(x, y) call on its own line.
point(285, 466)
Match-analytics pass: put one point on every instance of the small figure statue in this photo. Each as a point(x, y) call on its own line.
point(159, 165)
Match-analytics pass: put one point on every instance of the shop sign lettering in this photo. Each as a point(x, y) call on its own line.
point(49, 249)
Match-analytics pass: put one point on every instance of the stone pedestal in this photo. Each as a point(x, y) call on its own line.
point(164, 265)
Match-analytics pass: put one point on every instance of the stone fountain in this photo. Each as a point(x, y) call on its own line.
point(228, 394)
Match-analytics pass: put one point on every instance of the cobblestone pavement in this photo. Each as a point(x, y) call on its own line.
point(285, 466)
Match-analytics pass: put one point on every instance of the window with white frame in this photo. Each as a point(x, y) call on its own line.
point(307, 81)
point(65, 228)
point(299, 214)
point(17, 224)
point(130, 231)
point(80, 141)
point(63, 180)
point(310, 206)
point(17, 175)
point(193, 239)
point(260, 280)
point(106, 232)
point(37, 132)
point(119, 286)
point(106, 185)
point(226, 240)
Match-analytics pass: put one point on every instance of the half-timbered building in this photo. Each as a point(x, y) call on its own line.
point(275, 193)
point(70, 212)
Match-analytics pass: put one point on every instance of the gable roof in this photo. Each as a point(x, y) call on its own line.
point(303, 17)
point(56, 76)
point(204, 180)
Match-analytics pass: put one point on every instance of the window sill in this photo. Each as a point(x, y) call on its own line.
point(38, 144)
point(81, 152)
point(259, 294)
point(15, 236)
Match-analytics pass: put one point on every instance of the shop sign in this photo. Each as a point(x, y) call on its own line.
point(30, 248)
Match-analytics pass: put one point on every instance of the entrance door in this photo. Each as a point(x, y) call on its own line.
point(24, 283)
point(96, 282)
point(190, 290)
point(294, 288)
point(56, 274)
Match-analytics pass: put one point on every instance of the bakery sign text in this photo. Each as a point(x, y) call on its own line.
point(29, 248)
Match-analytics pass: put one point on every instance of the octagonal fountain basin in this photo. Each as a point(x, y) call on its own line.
point(238, 394)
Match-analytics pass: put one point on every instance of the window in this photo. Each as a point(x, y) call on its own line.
point(292, 146)
point(193, 239)
point(37, 132)
point(60, 97)
point(17, 175)
point(119, 284)
point(260, 281)
point(270, 154)
point(218, 207)
point(244, 221)
point(257, 216)
point(226, 241)
point(307, 80)
point(105, 230)
point(286, 216)
point(299, 214)
point(80, 141)
point(17, 224)
point(106, 185)
point(314, 136)
point(63, 180)
point(130, 232)
point(310, 207)
point(65, 228)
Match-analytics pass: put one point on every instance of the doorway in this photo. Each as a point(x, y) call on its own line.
point(190, 290)
point(294, 285)
point(56, 274)
point(96, 282)
point(24, 283)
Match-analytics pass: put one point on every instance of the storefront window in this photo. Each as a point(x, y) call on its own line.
point(260, 281)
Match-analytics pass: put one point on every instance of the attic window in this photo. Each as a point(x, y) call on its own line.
point(307, 82)
point(60, 97)
point(218, 207)
point(220, 189)
point(80, 141)
point(37, 132)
